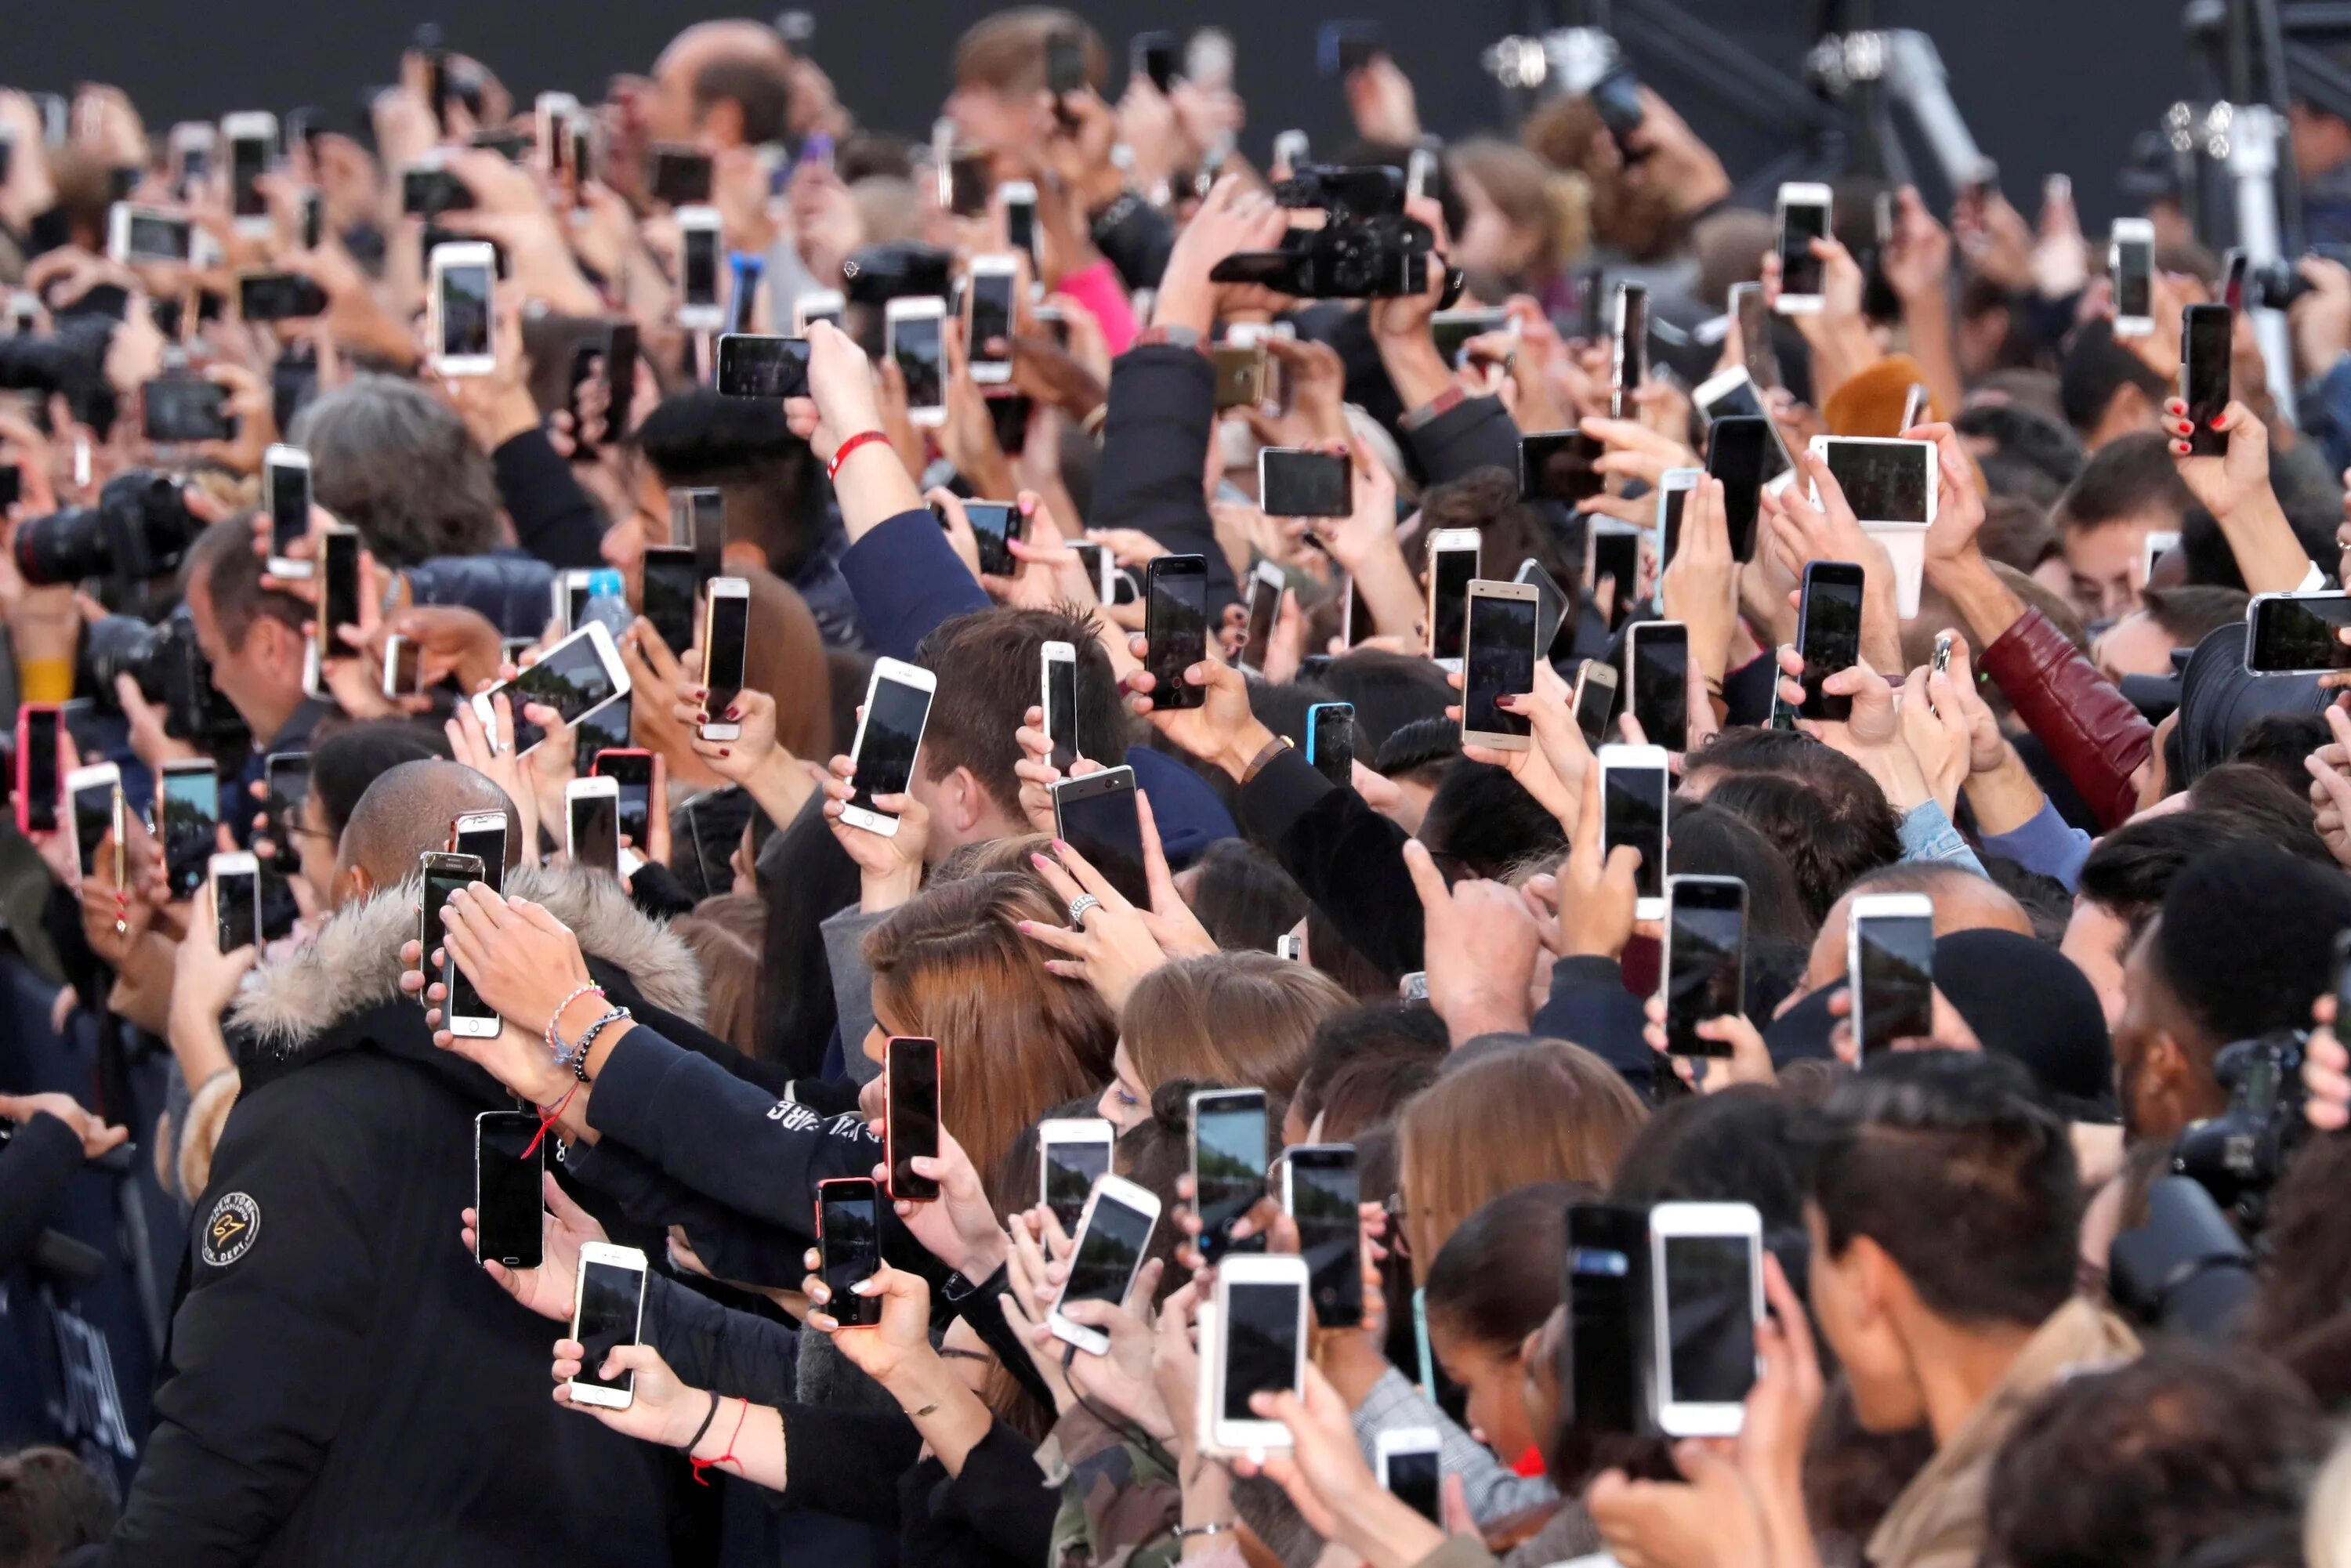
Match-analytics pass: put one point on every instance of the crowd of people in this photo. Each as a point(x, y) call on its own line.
point(2056, 1276)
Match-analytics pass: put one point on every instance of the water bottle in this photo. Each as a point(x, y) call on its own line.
point(607, 602)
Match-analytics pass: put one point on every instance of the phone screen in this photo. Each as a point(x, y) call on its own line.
point(1020, 225)
point(1884, 481)
point(1632, 353)
point(1706, 942)
point(672, 580)
point(991, 316)
point(248, 160)
point(2133, 278)
point(1500, 661)
point(1261, 1346)
point(1062, 710)
point(1307, 484)
point(916, 344)
point(894, 714)
point(191, 824)
point(2297, 631)
point(1229, 1154)
point(763, 366)
point(1072, 1165)
point(1557, 466)
point(93, 816)
point(339, 594)
point(604, 729)
point(507, 1187)
point(1100, 822)
point(157, 236)
point(1710, 1331)
point(1414, 1479)
point(850, 1225)
point(1897, 978)
point(596, 832)
point(610, 1296)
point(288, 775)
point(722, 668)
point(1595, 701)
point(1633, 811)
point(1661, 682)
point(236, 910)
point(441, 879)
point(1324, 1199)
point(1801, 223)
point(1264, 601)
point(290, 506)
point(2204, 376)
point(635, 774)
point(1175, 627)
point(1604, 1244)
point(699, 271)
point(912, 1116)
point(1109, 1253)
point(1755, 349)
point(572, 679)
point(1830, 636)
point(41, 770)
point(1331, 743)
point(1735, 453)
point(1450, 572)
point(488, 845)
point(992, 528)
point(1617, 556)
point(181, 408)
point(466, 311)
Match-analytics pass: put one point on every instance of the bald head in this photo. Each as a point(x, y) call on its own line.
point(408, 811)
point(1964, 901)
point(726, 82)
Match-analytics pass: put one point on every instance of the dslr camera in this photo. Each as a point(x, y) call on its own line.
point(2238, 1155)
point(171, 672)
point(2276, 285)
point(1367, 247)
point(138, 532)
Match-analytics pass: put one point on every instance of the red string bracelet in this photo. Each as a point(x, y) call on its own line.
point(726, 1457)
point(840, 453)
point(547, 1118)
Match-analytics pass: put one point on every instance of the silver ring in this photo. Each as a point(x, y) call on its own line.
point(1080, 906)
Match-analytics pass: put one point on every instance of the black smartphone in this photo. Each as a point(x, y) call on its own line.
point(680, 176)
point(1802, 220)
point(1057, 689)
point(287, 485)
point(1828, 634)
point(443, 874)
point(1096, 815)
point(37, 773)
point(1331, 741)
point(278, 297)
point(757, 365)
point(910, 1123)
point(236, 903)
point(1321, 1192)
point(633, 771)
point(849, 1235)
point(1704, 960)
point(1631, 366)
point(672, 576)
point(1065, 63)
point(1552, 603)
point(339, 593)
point(2286, 633)
point(1595, 699)
point(1293, 483)
point(1228, 1151)
point(1607, 1281)
point(1633, 796)
point(508, 1157)
point(2204, 336)
point(620, 378)
point(1175, 627)
point(1557, 465)
point(188, 821)
point(285, 776)
point(1737, 448)
point(994, 526)
point(180, 407)
point(1153, 55)
point(1755, 346)
point(1658, 653)
point(725, 645)
point(1617, 556)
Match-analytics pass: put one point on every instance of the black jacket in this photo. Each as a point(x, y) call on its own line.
point(1345, 857)
point(37, 1166)
point(343, 1384)
point(1163, 413)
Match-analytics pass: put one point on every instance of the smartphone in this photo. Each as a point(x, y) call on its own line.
point(758, 365)
point(1595, 699)
point(192, 145)
point(551, 116)
point(2153, 547)
point(90, 794)
point(632, 770)
point(1552, 603)
point(1884, 481)
point(1113, 1230)
point(1656, 660)
point(591, 813)
point(1608, 1292)
point(1499, 662)
point(1294, 483)
point(1096, 815)
point(1803, 218)
point(1453, 561)
point(1452, 330)
point(1916, 404)
point(278, 297)
point(1611, 550)
point(1634, 788)
point(287, 779)
point(994, 526)
point(1828, 634)
point(1557, 465)
point(1174, 627)
point(700, 308)
point(888, 735)
point(1228, 1160)
point(913, 339)
point(1019, 199)
point(183, 408)
point(38, 766)
point(1073, 1154)
point(910, 1122)
point(2131, 265)
point(2294, 634)
point(726, 644)
point(236, 901)
point(1704, 971)
point(463, 1013)
point(680, 175)
point(1706, 1276)
point(673, 581)
point(1738, 449)
point(620, 379)
point(252, 137)
point(1240, 377)
point(988, 303)
point(1890, 968)
point(1321, 1194)
point(1153, 57)
point(339, 591)
point(508, 1199)
point(1289, 947)
point(1331, 741)
point(1630, 365)
point(580, 672)
point(483, 835)
point(285, 485)
point(1057, 698)
point(460, 309)
point(2204, 336)
point(188, 823)
point(428, 188)
point(1262, 1322)
point(1409, 1468)
point(1265, 589)
point(135, 234)
point(608, 1308)
point(1290, 149)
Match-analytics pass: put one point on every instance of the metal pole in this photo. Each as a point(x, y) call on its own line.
point(2253, 164)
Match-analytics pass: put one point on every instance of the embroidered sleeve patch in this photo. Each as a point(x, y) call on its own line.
point(232, 1229)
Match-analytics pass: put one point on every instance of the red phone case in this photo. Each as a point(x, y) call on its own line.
point(889, 1151)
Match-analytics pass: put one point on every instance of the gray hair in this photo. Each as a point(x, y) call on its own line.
point(394, 462)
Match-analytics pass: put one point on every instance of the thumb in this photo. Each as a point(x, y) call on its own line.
point(1459, 1519)
point(1426, 878)
point(560, 1205)
point(109, 1138)
point(638, 1357)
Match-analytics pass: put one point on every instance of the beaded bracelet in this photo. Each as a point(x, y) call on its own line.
point(555, 1046)
point(588, 1037)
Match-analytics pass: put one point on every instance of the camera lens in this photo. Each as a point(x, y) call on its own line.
point(64, 547)
point(122, 645)
point(139, 529)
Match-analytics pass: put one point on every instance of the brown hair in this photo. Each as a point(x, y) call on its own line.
point(1243, 1019)
point(222, 558)
point(781, 657)
point(1015, 1040)
point(724, 934)
point(1526, 192)
point(1006, 52)
point(1540, 1111)
point(1640, 219)
point(987, 666)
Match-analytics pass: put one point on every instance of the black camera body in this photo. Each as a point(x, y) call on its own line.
point(138, 532)
point(2238, 1155)
point(1367, 247)
point(2275, 285)
point(171, 672)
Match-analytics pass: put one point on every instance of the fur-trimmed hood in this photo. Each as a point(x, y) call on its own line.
point(353, 964)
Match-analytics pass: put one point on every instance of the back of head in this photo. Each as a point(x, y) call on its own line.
point(347, 759)
point(391, 460)
point(2131, 869)
point(1497, 1276)
point(1388, 690)
point(2186, 1447)
point(1368, 1031)
point(408, 811)
point(2094, 368)
point(1919, 1147)
point(222, 558)
point(744, 447)
point(1005, 52)
point(2190, 613)
point(1511, 530)
point(779, 660)
point(2274, 747)
point(1243, 898)
point(724, 934)
point(1708, 840)
point(51, 1504)
point(2247, 939)
point(1743, 1144)
point(758, 87)
point(1238, 1017)
point(1830, 826)
point(987, 662)
point(1484, 820)
point(1370, 1093)
point(1533, 1111)
point(2132, 476)
point(2021, 433)
point(2253, 793)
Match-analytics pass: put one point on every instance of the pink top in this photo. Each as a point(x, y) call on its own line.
point(1097, 287)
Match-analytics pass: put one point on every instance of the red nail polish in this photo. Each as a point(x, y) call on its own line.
point(733, 714)
point(725, 751)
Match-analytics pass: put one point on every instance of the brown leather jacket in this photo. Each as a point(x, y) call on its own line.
point(2088, 725)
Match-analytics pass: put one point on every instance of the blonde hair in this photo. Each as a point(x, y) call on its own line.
point(1244, 1020)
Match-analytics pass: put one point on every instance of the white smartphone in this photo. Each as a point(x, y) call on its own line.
point(1674, 487)
point(463, 1012)
point(1803, 218)
point(1705, 1269)
point(1499, 662)
point(989, 304)
point(1113, 1235)
point(699, 307)
point(286, 491)
point(1057, 695)
point(251, 140)
point(608, 1308)
point(1634, 787)
point(1883, 480)
point(460, 309)
point(581, 673)
point(1261, 1324)
point(1407, 1461)
point(550, 125)
point(591, 823)
point(2131, 265)
point(888, 735)
point(147, 234)
point(725, 643)
point(1019, 199)
point(236, 900)
point(1291, 947)
point(817, 305)
point(483, 835)
point(1073, 1154)
point(569, 592)
point(2159, 543)
point(1889, 959)
point(1290, 149)
point(403, 672)
point(90, 795)
point(914, 336)
point(1452, 563)
point(192, 142)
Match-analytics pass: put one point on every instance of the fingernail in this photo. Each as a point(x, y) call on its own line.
point(733, 714)
point(725, 751)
